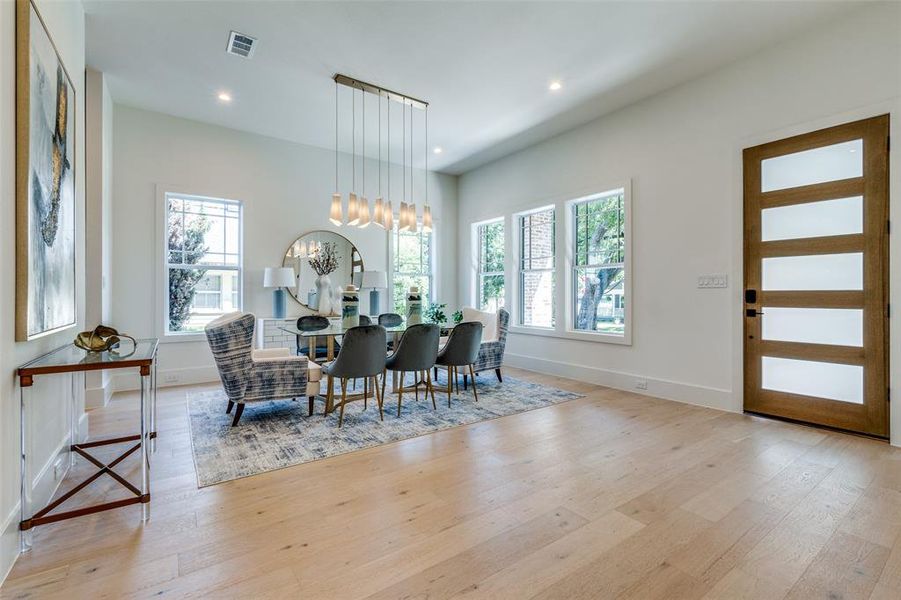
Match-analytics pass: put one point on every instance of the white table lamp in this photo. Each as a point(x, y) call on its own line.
point(279, 278)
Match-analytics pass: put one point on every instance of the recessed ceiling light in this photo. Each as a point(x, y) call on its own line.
point(437, 150)
point(554, 86)
point(225, 97)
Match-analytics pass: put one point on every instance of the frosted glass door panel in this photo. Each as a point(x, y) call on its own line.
point(809, 378)
point(838, 326)
point(829, 163)
point(813, 219)
point(815, 272)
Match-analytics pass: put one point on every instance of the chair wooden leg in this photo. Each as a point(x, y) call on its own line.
point(311, 399)
point(465, 382)
point(449, 386)
point(384, 379)
point(474, 392)
point(378, 398)
point(436, 373)
point(498, 373)
point(329, 396)
point(343, 401)
point(416, 384)
point(238, 412)
point(457, 380)
point(365, 392)
point(400, 392)
point(430, 388)
point(231, 405)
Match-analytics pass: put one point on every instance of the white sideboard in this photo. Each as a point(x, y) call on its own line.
point(268, 334)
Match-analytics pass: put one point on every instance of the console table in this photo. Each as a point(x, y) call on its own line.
point(72, 360)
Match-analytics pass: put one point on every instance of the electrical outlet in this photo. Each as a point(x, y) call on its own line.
point(641, 384)
point(713, 281)
point(171, 378)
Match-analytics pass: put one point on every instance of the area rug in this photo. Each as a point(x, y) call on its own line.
point(279, 434)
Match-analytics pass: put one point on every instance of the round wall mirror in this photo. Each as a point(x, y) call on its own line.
point(302, 255)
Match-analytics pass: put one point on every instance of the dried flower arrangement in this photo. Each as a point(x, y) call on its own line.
point(325, 261)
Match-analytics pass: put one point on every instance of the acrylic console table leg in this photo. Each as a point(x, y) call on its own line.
point(153, 387)
point(26, 533)
point(145, 377)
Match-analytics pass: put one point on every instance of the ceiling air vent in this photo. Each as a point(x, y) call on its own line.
point(241, 45)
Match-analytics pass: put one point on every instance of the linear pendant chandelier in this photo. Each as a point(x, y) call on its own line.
point(358, 214)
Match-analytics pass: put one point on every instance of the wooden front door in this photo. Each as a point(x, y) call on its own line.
point(816, 277)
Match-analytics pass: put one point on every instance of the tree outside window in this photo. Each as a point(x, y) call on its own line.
point(412, 267)
point(203, 261)
point(599, 263)
point(490, 278)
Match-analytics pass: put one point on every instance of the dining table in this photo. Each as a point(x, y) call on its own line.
point(335, 330)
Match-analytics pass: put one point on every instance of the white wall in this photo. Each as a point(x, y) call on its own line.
point(682, 151)
point(65, 20)
point(98, 220)
point(286, 189)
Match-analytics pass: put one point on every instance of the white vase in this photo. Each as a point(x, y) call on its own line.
point(324, 295)
point(336, 299)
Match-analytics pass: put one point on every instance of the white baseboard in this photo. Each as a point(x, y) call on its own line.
point(45, 486)
point(686, 393)
point(98, 397)
point(168, 377)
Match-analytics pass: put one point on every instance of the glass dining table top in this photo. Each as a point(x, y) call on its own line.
point(335, 328)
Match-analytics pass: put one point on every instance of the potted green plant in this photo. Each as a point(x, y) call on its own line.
point(435, 314)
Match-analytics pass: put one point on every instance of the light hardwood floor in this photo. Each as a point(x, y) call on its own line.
point(613, 495)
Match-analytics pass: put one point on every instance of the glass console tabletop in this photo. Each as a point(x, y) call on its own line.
point(71, 358)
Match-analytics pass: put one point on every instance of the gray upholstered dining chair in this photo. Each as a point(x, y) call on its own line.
point(461, 350)
point(312, 323)
point(365, 320)
point(250, 375)
point(390, 319)
point(362, 356)
point(416, 352)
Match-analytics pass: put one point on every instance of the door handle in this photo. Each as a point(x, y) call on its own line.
point(752, 312)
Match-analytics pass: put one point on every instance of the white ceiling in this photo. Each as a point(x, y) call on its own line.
point(484, 67)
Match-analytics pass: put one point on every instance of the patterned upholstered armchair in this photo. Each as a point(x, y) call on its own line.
point(494, 339)
point(255, 375)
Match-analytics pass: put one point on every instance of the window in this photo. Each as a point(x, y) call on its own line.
point(536, 278)
point(599, 262)
point(490, 280)
point(203, 261)
point(412, 266)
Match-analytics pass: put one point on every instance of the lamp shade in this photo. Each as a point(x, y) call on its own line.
point(374, 279)
point(335, 214)
point(363, 213)
point(275, 277)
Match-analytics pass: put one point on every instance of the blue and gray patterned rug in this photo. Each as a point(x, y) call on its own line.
point(279, 434)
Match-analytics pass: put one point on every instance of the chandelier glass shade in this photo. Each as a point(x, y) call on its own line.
point(353, 210)
point(363, 213)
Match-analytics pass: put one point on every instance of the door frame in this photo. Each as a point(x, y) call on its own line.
point(874, 241)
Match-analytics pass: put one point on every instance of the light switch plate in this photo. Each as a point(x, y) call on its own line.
point(713, 281)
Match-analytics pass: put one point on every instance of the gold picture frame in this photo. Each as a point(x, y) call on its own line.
point(46, 219)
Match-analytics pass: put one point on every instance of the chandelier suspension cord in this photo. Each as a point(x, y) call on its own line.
point(353, 120)
point(412, 199)
point(426, 155)
point(380, 145)
point(404, 119)
point(336, 136)
point(363, 95)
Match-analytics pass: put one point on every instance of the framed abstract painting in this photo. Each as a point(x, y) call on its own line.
point(45, 182)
